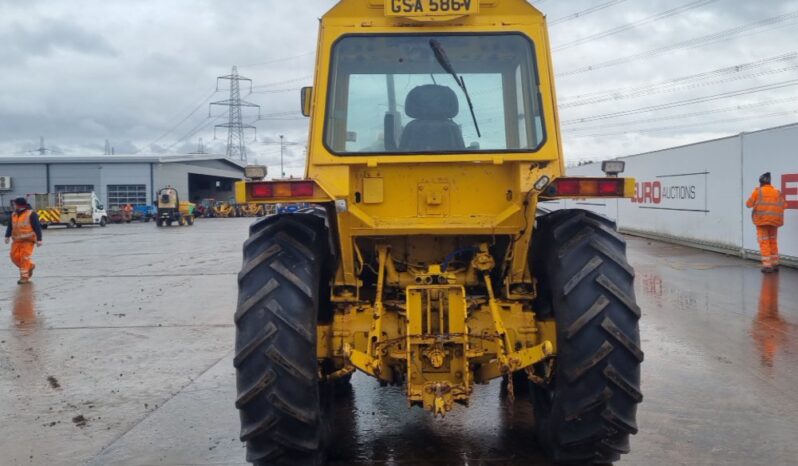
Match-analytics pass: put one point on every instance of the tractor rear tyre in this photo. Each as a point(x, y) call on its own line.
point(282, 403)
point(587, 411)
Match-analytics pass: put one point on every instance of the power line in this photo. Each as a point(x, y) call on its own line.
point(195, 110)
point(584, 12)
point(277, 91)
point(683, 115)
point(278, 60)
point(687, 126)
point(201, 126)
point(676, 88)
point(634, 25)
point(287, 81)
point(682, 103)
point(763, 25)
point(600, 96)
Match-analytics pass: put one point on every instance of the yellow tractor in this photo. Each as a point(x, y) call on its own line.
point(423, 260)
point(223, 209)
point(252, 210)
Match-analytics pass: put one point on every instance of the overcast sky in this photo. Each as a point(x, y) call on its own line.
point(79, 72)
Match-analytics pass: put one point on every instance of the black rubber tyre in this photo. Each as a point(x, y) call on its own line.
point(190, 220)
point(281, 401)
point(103, 222)
point(588, 411)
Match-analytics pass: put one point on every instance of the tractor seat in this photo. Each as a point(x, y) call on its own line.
point(432, 108)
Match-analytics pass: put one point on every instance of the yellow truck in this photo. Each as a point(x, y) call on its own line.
point(422, 260)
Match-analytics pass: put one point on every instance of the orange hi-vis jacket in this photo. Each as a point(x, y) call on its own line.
point(768, 205)
point(22, 228)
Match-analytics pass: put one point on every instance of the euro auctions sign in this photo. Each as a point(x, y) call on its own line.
point(789, 188)
point(685, 192)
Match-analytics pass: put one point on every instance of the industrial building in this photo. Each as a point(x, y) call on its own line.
point(120, 179)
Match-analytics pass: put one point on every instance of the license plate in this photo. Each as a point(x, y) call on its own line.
point(409, 8)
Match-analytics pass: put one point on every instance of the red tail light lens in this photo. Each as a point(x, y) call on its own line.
point(610, 187)
point(567, 187)
point(302, 189)
point(261, 191)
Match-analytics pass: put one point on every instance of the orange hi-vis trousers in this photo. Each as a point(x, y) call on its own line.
point(21, 252)
point(768, 245)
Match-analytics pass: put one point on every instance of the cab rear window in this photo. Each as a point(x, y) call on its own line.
point(410, 94)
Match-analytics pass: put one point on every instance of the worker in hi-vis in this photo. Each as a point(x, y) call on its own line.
point(768, 216)
point(26, 231)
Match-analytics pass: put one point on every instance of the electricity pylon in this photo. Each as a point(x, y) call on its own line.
point(236, 146)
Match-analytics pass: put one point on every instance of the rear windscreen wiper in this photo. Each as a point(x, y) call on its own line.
point(440, 55)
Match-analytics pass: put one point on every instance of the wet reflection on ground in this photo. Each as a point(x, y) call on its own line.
point(146, 359)
point(374, 426)
point(24, 309)
point(769, 329)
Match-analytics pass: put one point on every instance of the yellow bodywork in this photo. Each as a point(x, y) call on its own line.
point(252, 210)
point(223, 210)
point(187, 209)
point(419, 323)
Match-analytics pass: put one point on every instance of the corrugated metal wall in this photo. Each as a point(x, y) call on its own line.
point(32, 178)
point(696, 194)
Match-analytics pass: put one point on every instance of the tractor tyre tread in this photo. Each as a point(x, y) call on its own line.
point(589, 413)
point(280, 399)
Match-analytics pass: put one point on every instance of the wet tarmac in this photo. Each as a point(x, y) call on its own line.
point(120, 353)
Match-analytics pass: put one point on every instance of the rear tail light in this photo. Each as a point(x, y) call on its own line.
point(302, 189)
point(281, 189)
point(587, 187)
point(566, 187)
point(613, 187)
point(261, 191)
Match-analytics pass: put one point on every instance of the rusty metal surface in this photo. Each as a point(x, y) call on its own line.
point(120, 354)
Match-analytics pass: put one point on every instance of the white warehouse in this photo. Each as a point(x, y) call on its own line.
point(120, 179)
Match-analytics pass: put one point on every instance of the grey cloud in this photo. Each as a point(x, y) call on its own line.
point(47, 36)
point(131, 71)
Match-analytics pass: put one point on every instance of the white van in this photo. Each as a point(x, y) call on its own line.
point(78, 209)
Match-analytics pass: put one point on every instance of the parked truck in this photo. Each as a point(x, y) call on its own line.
point(72, 210)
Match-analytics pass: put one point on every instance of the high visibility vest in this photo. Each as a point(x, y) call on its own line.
point(768, 205)
point(21, 228)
